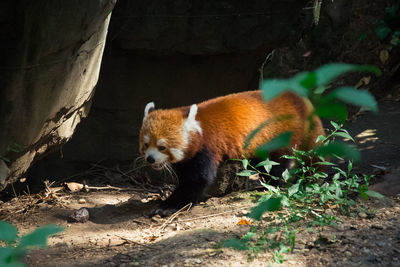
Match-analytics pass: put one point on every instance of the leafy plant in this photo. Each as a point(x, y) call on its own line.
point(331, 105)
point(16, 248)
point(306, 190)
point(387, 27)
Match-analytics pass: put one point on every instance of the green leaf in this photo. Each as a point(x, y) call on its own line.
point(8, 232)
point(320, 138)
point(320, 89)
point(309, 81)
point(38, 238)
point(246, 173)
point(248, 236)
point(5, 254)
point(362, 37)
point(235, 243)
point(374, 194)
point(344, 135)
point(327, 163)
point(356, 97)
point(272, 204)
point(262, 125)
point(269, 187)
point(349, 166)
point(282, 140)
point(339, 149)
point(267, 164)
point(278, 257)
point(293, 189)
point(245, 163)
point(382, 31)
point(338, 191)
point(9, 257)
point(272, 88)
point(286, 175)
point(285, 201)
point(335, 125)
point(336, 177)
point(14, 264)
point(391, 11)
point(327, 73)
point(333, 110)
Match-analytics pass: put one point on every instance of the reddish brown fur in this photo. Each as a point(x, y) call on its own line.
point(227, 121)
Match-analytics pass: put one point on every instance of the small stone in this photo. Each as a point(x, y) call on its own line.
point(362, 215)
point(198, 261)
point(81, 215)
point(348, 254)
point(210, 252)
point(242, 213)
point(82, 201)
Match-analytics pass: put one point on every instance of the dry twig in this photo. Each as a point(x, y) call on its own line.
point(173, 216)
point(133, 242)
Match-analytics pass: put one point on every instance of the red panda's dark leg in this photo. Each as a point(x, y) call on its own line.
point(194, 176)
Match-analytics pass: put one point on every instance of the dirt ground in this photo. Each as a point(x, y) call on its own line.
point(119, 233)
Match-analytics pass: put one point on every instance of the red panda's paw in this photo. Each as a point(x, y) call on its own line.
point(163, 211)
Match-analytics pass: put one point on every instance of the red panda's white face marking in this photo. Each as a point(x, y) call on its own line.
point(165, 135)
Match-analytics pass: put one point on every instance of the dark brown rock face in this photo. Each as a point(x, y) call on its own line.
point(171, 52)
point(203, 27)
point(177, 53)
point(50, 61)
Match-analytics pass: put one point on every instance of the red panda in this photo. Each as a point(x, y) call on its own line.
point(196, 139)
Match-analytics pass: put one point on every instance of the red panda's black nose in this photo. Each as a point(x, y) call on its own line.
point(150, 159)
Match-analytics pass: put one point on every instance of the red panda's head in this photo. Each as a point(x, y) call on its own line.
point(165, 135)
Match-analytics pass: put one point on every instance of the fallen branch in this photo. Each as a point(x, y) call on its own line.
point(134, 242)
point(173, 216)
point(104, 187)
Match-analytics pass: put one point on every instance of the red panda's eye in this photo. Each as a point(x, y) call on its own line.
point(146, 145)
point(161, 148)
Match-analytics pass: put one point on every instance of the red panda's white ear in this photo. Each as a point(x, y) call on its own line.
point(192, 112)
point(190, 124)
point(149, 108)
